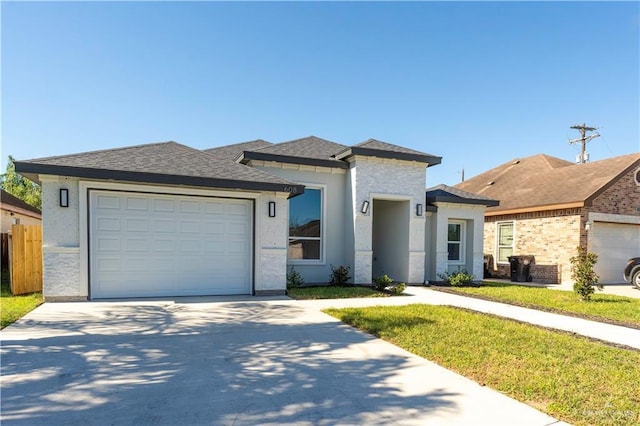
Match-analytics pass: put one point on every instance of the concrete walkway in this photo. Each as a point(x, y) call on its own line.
point(229, 361)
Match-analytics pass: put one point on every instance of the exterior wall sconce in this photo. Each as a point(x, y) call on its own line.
point(365, 207)
point(272, 209)
point(418, 209)
point(587, 226)
point(64, 197)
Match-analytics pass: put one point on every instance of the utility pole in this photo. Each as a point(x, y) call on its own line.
point(583, 129)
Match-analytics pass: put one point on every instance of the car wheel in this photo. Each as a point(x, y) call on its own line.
point(635, 280)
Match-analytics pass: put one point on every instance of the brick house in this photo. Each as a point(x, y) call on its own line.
point(549, 206)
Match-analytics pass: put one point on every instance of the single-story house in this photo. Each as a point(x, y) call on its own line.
point(15, 211)
point(549, 206)
point(168, 220)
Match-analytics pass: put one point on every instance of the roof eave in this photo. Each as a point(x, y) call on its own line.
point(458, 200)
point(26, 168)
point(430, 160)
point(571, 205)
point(247, 156)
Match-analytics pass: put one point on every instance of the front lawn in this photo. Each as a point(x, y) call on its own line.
point(333, 292)
point(569, 377)
point(12, 308)
point(624, 310)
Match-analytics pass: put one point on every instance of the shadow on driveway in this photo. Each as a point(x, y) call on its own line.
point(202, 363)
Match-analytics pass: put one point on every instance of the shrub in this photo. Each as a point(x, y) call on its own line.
point(340, 275)
point(458, 278)
point(294, 279)
point(382, 282)
point(583, 275)
point(397, 289)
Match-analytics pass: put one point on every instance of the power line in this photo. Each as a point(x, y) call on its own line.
point(583, 139)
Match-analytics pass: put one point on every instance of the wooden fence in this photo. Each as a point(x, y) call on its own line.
point(25, 258)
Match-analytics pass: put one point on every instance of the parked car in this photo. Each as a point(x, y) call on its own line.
point(632, 272)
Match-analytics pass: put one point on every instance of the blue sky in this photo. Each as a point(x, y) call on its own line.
point(478, 83)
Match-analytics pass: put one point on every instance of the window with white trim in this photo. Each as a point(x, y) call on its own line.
point(456, 241)
point(504, 241)
point(305, 226)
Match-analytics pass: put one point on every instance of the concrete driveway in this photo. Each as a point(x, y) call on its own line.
point(227, 361)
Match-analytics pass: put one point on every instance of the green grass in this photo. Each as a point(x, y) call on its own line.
point(620, 309)
point(333, 292)
point(571, 378)
point(12, 308)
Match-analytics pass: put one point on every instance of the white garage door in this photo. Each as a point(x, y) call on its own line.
point(615, 244)
point(145, 245)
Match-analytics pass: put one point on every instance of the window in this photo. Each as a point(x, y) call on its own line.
point(505, 241)
point(455, 242)
point(305, 225)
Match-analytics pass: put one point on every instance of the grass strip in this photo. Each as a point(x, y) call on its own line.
point(572, 378)
point(603, 307)
point(333, 292)
point(12, 308)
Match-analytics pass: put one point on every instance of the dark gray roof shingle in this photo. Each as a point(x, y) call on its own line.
point(311, 150)
point(231, 152)
point(376, 148)
point(166, 163)
point(449, 194)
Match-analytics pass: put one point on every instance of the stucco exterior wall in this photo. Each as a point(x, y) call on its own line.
point(65, 235)
point(473, 257)
point(271, 244)
point(333, 183)
point(61, 256)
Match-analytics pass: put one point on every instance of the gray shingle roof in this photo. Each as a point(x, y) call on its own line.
point(311, 150)
point(449, 194)
point(231, 152)
point(164, 163)
point(376, 148)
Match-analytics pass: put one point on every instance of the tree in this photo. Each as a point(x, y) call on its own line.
point(20, 186)
point(583, 275)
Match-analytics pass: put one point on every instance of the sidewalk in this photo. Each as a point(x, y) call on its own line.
point(607, 332)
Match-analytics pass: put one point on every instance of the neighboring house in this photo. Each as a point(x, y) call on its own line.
point(549, 206)
point(16, 211)
point(168, 220)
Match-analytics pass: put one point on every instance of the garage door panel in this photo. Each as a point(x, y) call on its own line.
point(108, 202)
point(164, 206)
point(147, 245)
point(615, 244)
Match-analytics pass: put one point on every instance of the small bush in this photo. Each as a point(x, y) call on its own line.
point(340, 275)
point(458, 278)
point(382, 282)
point(294, 279)
point(397, 289)
point(583, 275)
